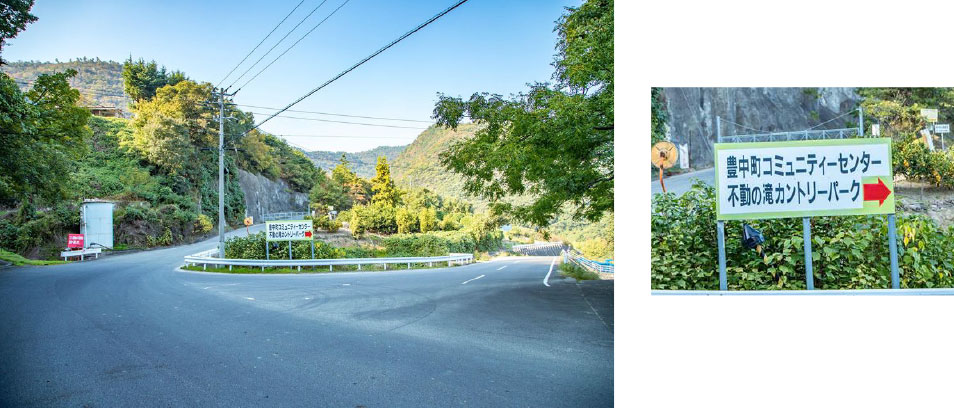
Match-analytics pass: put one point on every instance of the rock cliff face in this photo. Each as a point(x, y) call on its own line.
point(263, 196)
point(693, 113)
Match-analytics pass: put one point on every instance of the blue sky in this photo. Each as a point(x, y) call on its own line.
point(484, 45)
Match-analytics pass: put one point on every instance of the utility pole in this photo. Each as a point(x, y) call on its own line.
point(221, 94)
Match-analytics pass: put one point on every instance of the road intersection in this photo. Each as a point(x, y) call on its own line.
point(133, 330)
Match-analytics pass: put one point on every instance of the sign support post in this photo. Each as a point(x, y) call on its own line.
point(267, 244)
point(805, 179)
point(807, 236)
point(723, 283)
point(289, 251)
point(893, 247)
point(718, 129)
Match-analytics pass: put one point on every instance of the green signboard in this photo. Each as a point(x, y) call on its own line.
point(804, 178)
point(297, 230)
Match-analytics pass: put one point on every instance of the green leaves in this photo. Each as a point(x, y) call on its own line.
point(45, 131)
point(847, 252)
point(553, 143)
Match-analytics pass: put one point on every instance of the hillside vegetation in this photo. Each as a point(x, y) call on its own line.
point(98, 81)
point(419, 166)
point(362, 163)
point(160, 167)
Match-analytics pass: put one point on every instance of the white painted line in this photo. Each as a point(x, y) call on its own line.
point(501, 267)
point(250, 298)
point(465, 282)
point(547, 278)
point(345, 284)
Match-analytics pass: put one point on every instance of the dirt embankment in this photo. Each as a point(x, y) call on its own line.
point(937, 203)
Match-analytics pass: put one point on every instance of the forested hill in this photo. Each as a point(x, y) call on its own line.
point(362, 163)
point(419, 165)
point(100, 82)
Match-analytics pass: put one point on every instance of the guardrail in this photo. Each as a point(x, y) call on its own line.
point(81, 253)
point(536, 245)
point(284, 216)
point(578, 258)
point(206, 258)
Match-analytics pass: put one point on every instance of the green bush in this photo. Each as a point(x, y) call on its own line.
point(333, 226)
point(406, 221)
point(203, 224)
point(848, 252)
point(577, 272)
point(415, 245)
point(458, 241)
point(253, 247)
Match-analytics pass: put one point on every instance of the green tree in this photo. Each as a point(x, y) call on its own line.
point(328, 193)
point(383, 185)
point(169, 126)
point(42, 133)
point(357, 189)
point(427, 219)
point(659, 116)
point(553, 143)
point(405, 220)
point(142, 79)
point(14, 17)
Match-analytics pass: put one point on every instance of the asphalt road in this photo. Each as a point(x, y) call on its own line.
point(129, 330)
point(683, 182)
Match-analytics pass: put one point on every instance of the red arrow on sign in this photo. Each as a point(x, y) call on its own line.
point(878, 192)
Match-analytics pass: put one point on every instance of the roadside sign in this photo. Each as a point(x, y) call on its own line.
point(74, 241)
point(684, 156)
point(942, 128)
point(804, 178)
point(929, 114)
point(297, 230)
point(248, 221)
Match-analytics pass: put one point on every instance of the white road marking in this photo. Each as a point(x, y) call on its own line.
point(547, 278)
point(345, 284)
point(250, 298)
point(501, 267)
point(465, 282)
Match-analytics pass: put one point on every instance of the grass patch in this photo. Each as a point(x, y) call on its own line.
point(577, 272)
point(18, 260)
point(314, 269)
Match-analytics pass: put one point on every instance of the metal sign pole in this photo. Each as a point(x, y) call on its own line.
point(267, 244)
point(807, 237)
point(861, 122)
point(289, 251)
point(893, 247)
point(718, 129)
point(720, 228)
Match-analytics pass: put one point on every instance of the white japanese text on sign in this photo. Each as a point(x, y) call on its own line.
point(805, 178)
point(288, 230)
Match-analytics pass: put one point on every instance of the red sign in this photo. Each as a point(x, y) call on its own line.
point(74, 241)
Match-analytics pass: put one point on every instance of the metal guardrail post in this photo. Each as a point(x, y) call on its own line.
point(807, 236)
point(893, 247)
point(720, 236)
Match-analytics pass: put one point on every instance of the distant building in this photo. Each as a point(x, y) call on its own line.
point(107, 111)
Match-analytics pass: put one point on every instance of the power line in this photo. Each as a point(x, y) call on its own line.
point(366, 59)
point(341, 121)
point(346, 137)
point(292, 46)
point(832, 119)
point(276, 44)
point(337, 114)
point(259, 44)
